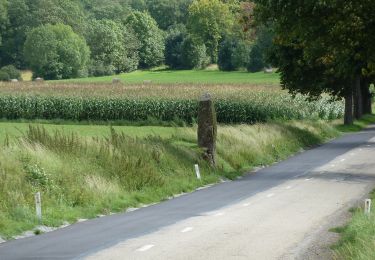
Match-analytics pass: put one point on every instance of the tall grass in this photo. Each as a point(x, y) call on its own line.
point(80, 177)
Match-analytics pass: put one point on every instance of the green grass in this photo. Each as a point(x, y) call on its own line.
point(358, 124)
point(81, 176)
point(188, 77)
point(357, 237)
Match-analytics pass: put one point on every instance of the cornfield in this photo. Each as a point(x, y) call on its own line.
point(234, 104)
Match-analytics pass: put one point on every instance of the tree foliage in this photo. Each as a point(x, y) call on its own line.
point(322, 46)
point(125, 35)
point(208, 21)
point(151, 51)
point(233, 54)
point(56, 52)
point(168, 12)
point(113, 48)
point(3, 16)
point(173, 47)
point(183, 51)
point(194, 54)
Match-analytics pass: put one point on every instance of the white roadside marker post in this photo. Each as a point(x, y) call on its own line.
point(368, 207)
point(197, 172)
point(38, 206)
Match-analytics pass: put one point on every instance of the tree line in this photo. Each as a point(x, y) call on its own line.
point(59, 39)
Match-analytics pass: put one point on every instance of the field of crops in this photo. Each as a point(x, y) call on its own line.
point(106, 102)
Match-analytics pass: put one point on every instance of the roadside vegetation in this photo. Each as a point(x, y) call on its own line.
point(357, 237)
point(84, 176)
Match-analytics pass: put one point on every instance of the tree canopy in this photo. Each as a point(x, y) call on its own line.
point(208, 21)
point(323, 46)
point(56, 52)
point(124, 35)
point(151, 51)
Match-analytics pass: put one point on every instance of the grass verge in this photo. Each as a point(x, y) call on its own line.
point(83, 176)
point(358, 236)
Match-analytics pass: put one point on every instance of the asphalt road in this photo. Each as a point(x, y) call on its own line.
point(265, 215)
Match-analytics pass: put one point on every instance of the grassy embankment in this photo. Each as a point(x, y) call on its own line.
point(81, 177)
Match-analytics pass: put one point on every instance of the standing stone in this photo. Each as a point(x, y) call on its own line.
point(207, 128)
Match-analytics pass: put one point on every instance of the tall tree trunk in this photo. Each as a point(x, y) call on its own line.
point(366, 96)
point(358, 101)
point(348, 117)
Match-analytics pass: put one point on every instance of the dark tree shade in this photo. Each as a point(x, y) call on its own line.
point(173, 49)
point(256, 62)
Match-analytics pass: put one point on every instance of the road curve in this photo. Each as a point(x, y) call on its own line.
point(265, 215)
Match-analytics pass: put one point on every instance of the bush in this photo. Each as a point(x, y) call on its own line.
point(194, 55)
point(12, 72)
point(4, 76)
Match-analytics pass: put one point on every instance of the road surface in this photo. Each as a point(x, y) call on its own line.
point(272, 214)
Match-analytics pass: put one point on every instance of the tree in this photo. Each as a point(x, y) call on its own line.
point(208, 20)
point(168, 12)
point(256, 62)
point(173, 47)
point(24, 15)
point(3, 16)
point(323, 47)
point(194, 55)
point(56, 52)
point(261, 49)
point(151, 51)
point(113, 48)
point(106, 9)
point(11, 52)
point(233, 54)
